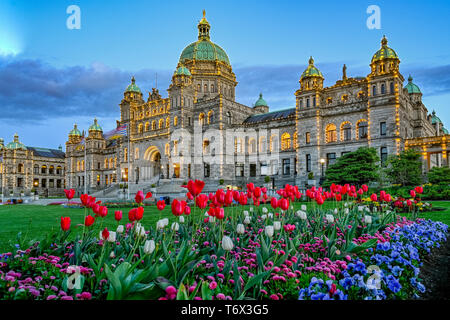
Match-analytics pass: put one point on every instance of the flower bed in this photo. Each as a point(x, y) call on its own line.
point(261, 249)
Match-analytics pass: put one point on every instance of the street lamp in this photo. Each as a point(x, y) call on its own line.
point(322, 161)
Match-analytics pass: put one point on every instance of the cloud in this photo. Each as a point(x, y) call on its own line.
point(32, 90)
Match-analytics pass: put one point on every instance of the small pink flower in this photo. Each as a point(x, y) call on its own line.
point(213, 285)
point(171, 290)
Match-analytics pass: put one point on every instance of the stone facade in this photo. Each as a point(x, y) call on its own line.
point(200, 131)
point(24, 168)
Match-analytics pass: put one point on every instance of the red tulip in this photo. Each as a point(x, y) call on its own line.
point(419, 189)
point(228, 198)
point(409, 203)
point(412, 193)
point(160, 205)
point(360, 191)
point(148, 195)
point(69, 193)
point(236, 195)
point(274, 203)
point(212, 212)
point(139, 213)
point(283, 204)
point(103, 211)
point(89, 221)
point(177, 207)
point(65, 223)
point(257, 192)
point(320, 200)
point(132, 214)
point(189, 196)
point(118, 215)
point(201, 201)
point(195, 187)
point(84, 199)
point(139, 197)
point(365, 188)
point(219, 213)
point(373, 197)
point(387, 198)
point(105, 234)
point(264, 190)
point(338, 197)
point(187, 210)
point(243, 199)
point(96, 209)
point(250, 186)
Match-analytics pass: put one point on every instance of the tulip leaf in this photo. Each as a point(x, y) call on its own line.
point(255, 280)
point(182, 294)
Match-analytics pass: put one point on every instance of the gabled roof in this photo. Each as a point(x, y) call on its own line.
point(275, 115)
point(47, 153)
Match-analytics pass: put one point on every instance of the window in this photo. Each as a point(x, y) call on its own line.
point(362, 129)
point(331, 159)
point(210, 117)
point(205, 88)
point(285, 141)
point(20, 168)
point(125, 154)
point(106, 163)
point(264, 169)
point(308, 138)
point(161, 124)
point(330, 133)
point(262, 145)
point(374, 90)
point(301, 103)
point(238, 145)
point(36, 168)
point(147, 126)
point(58, 170)
point(383, 88)
point(168, 122)
point(175, 121)
point(252, 169)
point(167, 149)
point(205, 146)
point(140, 128)
point(361, 94)
point(229, 117)
point(44, 169)
point(98, 165)
point(344, 98)
point(201, 118)
point(239, 169)
point(392, 87)
point(175, 148)
point(286, 166)
point(199, 88)
point(273, 143)
point(206, 170)
point(383, 155)
point(382, 128)
point(314, 102)
point(212, 88)
point(51, 183)
point(251, 145)
point(153, 125)
point(308, 163)
point(43, 183)
point(307, 103)
point(329, 100)
point(346, 131)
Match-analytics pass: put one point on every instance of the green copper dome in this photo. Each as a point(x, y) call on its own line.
point(412, 88)
point(261, 102)
point(311, 71)
point(133, 87)
point(16, 144)
point(204, 49)
point(182, 70)
point(75, 131)
point(435, 118)
point(445, 130)
point(95, 126)
point(385, 52)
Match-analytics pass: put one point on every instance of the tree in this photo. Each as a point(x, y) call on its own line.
point(405, 168)
point(439, 175)
point(358, 167)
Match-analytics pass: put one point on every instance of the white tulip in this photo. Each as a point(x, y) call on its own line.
point(112, 236)
point(270, 215)
point(264, 216)
point(247, 220)
point(165, 221)
point(264, 210)
point(346, 204)
point(140, 231)
point(303, 207)
point(112, 255)
point(335, 210)
point(368, 219)
point(181, 218)
point(175, 226)
point(251, 209)
point(149, 246)
point(302, 215)
point(346, 210)
point(360, 208)
point(206, 214)
point(246, 213)
point(227, 243)
point(375, 209)
point(160, 224)
point(291, 207)
point(269, 231)
point(330, 218)
point(240, 229)
point(276, 225)
point(119, 229)
point(212, 219)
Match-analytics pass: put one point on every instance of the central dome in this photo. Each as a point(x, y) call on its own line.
point(204, 49)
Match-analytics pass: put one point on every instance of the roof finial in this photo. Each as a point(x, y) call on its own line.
point(204, 13)
point(384, 41)
point(344, 72)
point(133, 80)
point(311, 60)
point(410, 79)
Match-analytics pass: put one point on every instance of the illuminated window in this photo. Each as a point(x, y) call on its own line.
point(175, 121)
point(205, 146)
point(329, 100)
point(330, 133)
point(308, 138)
point(167, 122)
point(346, 131)
point(362, 129)
point(44, 169)
point(210, 117)
point(140, 128)
point(285, 141)
point(111, 163)
point(344, 98)
point(153, 125)
point(238, 145)
point(251, 145)
point(106, 163)
point(167, 149)
point(273, 146)
point(161, 124)
point(361, 94)
point(125, 154)
point(201, 118)
point(147, 126)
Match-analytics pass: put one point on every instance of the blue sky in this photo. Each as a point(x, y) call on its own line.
point(51, 77)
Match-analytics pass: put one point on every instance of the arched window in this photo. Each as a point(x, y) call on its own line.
point(344, 98)
point(111, 163)
point(44, 169)
point(251, 145)
point(167, 149)
point(20, 168)
point(330, 133)
point(125, 154)
point(392, 87)
point(229, 117)
point(205, 146)
point(374, 90)
point(205, 87)
point(140, 128)
point(147, 126)
point(175, 147)
point(59, 170)
point(362, 128)
point(273, 146)
point(78, 166)
point(383, 88)
point(161, 123)
point(212, 88)
point(262, 145)
point(154, 125)
point(210, 117)
point(285, 141)
point(329, 100)
point(175, 121)
point(106, 163)
point(201, 118)
point(199, 88)
point(82, 165)
point(346, 131)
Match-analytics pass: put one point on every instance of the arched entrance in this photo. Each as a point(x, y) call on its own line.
point(152, 168)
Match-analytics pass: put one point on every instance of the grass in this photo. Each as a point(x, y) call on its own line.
point(36, 221)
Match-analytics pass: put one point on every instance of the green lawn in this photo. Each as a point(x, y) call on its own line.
point(35, 221)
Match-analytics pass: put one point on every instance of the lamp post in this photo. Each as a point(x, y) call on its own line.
point(322, 161)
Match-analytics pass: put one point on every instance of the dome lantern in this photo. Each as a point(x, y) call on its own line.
point(95, 127)
point(203, 28)
point(261, 102)
point(411, 87)
point(311, 78)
